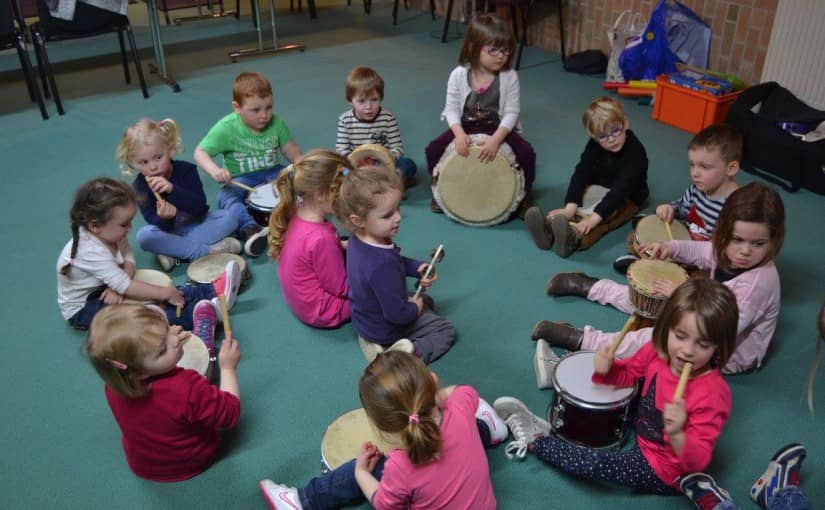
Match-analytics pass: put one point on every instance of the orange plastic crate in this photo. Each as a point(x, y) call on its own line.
point(688, 109)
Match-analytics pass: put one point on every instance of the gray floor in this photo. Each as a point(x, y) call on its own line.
point(60, 445)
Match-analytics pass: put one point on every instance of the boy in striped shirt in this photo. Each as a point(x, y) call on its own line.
point(367, 122)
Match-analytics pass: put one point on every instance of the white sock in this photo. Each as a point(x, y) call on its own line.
point(497, 427)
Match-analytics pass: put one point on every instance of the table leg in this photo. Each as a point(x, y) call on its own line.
point(159, 66)
point(261, 50)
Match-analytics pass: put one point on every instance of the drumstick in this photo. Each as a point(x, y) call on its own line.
point(436, 258)
point(242, 186)
point(669, 232)
point(683, 379)
point(227, 329)
point(615, 345)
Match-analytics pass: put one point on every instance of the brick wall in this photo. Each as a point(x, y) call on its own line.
point(741, 28)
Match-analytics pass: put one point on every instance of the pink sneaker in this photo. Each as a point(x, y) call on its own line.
point(280, 497)
point(204, 320)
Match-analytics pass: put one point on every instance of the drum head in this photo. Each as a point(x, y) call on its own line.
point(195, 355)
point(264, 198)
point(640, 274)
point(153, 277)
point(207, 269)
point(343, 439)
point(651, 229)
point(572, 380)
point(372, 154)
point(476, 193)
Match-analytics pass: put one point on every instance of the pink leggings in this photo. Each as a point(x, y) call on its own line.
point(608, 292)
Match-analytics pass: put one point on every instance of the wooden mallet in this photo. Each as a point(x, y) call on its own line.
point(437, 256)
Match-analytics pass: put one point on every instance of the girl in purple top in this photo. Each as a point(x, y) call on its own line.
point(179, 225)
point(383, 313)
point(310, 256)
point(440, 464)
point(746, 240)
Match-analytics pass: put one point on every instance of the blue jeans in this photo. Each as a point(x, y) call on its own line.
point(192, 294)
point(788, 498)
point(188, 241)
point(233, 199)
point(339, 487)
point(406, 166)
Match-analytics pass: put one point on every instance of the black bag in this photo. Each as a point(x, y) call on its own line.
point(586, 62)
point(771, 152)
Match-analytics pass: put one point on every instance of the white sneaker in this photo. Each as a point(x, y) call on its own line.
point(167, 263)
point(257, 243)
point(496, 426)
point(524, 425)
point(280, 497)
point(228, 284)
point(226, 245)
point(544, 363)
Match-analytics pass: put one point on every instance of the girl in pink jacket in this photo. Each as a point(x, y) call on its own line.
point(747, 239)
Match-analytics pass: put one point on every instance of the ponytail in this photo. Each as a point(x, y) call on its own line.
point(283, 212)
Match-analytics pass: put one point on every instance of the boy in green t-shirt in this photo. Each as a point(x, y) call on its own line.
point(248, 139)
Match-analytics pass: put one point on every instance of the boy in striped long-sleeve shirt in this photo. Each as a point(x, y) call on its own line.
point(713, 155)
point(368, 123)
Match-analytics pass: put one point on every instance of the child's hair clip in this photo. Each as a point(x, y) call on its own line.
point(117, 364)
point(413, 418)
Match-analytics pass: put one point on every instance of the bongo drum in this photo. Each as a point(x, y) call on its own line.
point(585, 413)
point(372, 154)
point(651, 229)
point(640, 277)
point(207, 269)
point(198, 356)
point(475, 193)
point(260, 202)
point(153, 277)
point(593, 195)
point(344, 437)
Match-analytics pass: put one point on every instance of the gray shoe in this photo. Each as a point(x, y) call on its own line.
point(226, 245)
point(537, 226)
point(558, 334)
point(566, 239)
point(524, 425)
point(544, 363)
point(167, 263)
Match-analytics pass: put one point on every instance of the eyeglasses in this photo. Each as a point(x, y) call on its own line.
point(613, 133)
point(495, 52)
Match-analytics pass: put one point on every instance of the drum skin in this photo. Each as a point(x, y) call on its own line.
point(344, 437)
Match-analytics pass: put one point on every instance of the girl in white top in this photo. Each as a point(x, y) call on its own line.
point(483, 97)
point(97, 268)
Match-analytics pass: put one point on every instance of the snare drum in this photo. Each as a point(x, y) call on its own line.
point(207, 269)
point(198, 356)
point(585, 413)
point(153, 277)
point(372, 154)
point(475, 193)
point(344, 437)
point(640, 277)
point(651, 229)
point(260, 202)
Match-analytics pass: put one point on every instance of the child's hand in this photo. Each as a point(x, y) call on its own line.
point(368, 457)
point(221, 175)
point(173, 296)
point(111, 297)
point(428, 281)
point(165, 210)
point(663, 287)
point(658, 251)
point(665, 213)
point(462, 145)
point(556, 212)
point(344, 244)
point(159, 184)
point(674, 416)
point(588, 224)
point(602, 361)
point(230, 353)
point(489, 150)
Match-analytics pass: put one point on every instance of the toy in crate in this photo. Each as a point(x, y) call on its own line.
point(701, 82)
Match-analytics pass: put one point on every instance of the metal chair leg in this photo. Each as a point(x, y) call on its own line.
point(41, 69)
point(123, 57)
point(447, 16)
point(136, 58)
point(395, 12)
point(432, 9)
point(47, 67)
point(28, 73)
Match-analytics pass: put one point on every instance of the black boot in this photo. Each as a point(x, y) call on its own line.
point(570, 284)
point(559, 334)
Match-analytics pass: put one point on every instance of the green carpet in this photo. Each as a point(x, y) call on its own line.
point(61, 447)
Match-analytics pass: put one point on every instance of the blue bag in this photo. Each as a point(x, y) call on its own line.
point(674, 34)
